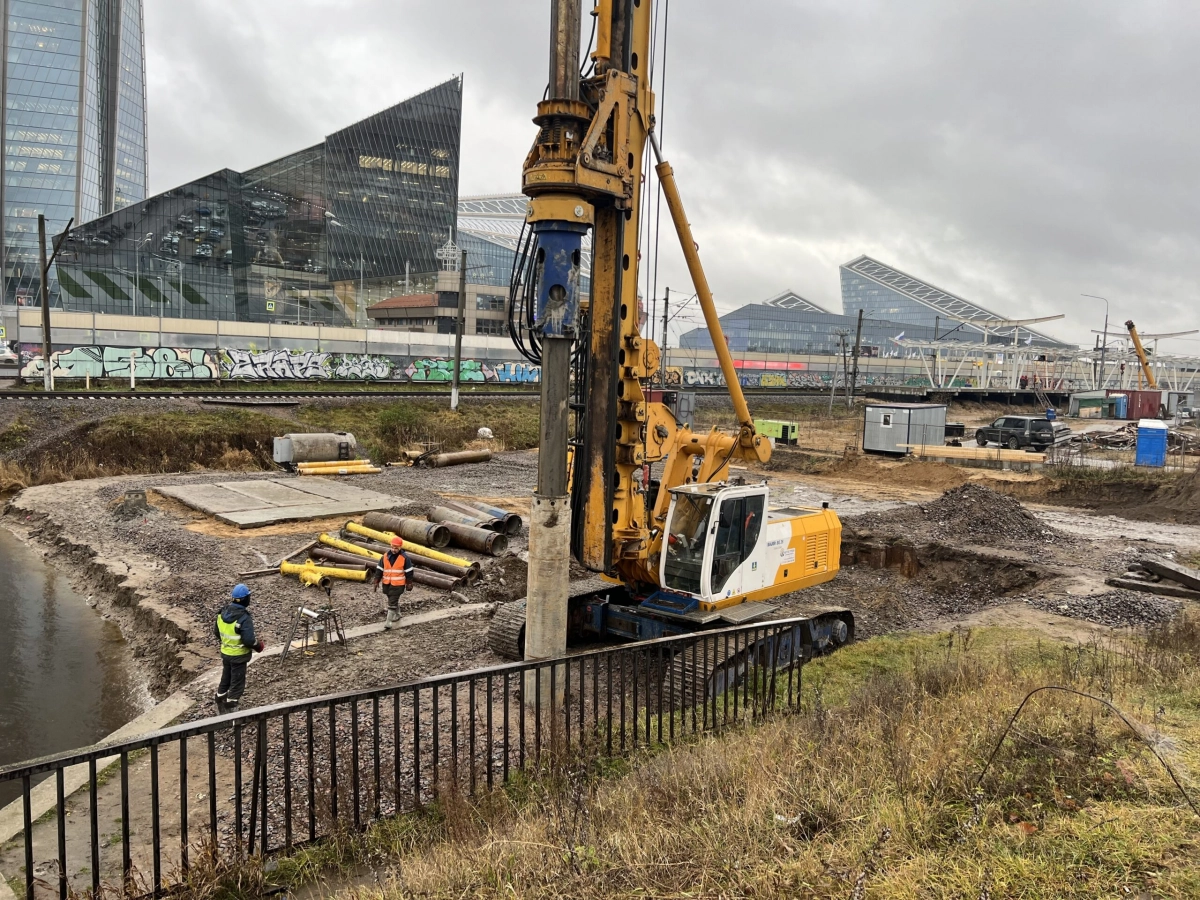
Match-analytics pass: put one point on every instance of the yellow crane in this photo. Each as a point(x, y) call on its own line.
point(648, 504)
point(1142, 358)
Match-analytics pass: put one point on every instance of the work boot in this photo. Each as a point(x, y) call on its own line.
point(231, 706)
point(393, 616)
point(219, 700)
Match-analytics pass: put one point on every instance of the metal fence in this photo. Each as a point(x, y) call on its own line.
point(267, 780)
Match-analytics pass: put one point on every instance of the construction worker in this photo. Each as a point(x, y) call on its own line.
point(394, 572)
point(234, 628)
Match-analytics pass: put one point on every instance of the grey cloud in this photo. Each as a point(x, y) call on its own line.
point(1019, 153)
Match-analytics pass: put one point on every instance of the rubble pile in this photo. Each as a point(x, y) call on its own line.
point(1117, 609)
point(970, 514)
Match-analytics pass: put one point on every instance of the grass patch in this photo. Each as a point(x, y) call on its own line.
point(869, 792)
point(138, 443)
point(14, 436)
point(384, 430)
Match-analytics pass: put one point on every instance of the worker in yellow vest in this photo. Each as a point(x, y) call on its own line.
point(394, 572)
point(234, 628)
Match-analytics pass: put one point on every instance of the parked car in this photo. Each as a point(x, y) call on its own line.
point(1018, 432)
point(204, 251)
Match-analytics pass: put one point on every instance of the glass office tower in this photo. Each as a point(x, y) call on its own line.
point(313, 238)
point(73, 80)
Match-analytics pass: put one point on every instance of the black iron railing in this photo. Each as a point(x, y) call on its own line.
point(131, 818)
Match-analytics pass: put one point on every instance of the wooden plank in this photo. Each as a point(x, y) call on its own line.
point(1185, 575)
point(1150, 587)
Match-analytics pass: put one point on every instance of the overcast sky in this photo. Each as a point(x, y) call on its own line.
point(1017, 153)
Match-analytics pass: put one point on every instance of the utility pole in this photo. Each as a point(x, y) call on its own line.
point(841, 336)
point(857, 352)
point(846, 376)
point(48, 375)
point(458, 328)
point(663, 349)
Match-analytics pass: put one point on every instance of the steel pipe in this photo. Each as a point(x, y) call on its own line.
point(341, 557)
point(436, 579)
point(338, 544)
point(512, 522)
point(409, 547)
point(430, 534)
point(478, 539)
point(469, 573)
point(312, 574)
point(448, 516)
point(344, 470)
point(484, 520)
point(442, 460)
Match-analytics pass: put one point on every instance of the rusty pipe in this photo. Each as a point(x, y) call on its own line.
point(436, 579)
point(442, 460)
point(342, 558)
point(512, 522)
point(478, 539)
point(410, 547)
point(470, 573)
point(430, 534)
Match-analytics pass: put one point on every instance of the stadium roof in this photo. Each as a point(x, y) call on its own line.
point(500, 218)
point(943, 302)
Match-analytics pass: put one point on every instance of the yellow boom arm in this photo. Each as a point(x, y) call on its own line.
point(1142, 358)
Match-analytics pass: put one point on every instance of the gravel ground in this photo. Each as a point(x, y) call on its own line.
point(163, 574)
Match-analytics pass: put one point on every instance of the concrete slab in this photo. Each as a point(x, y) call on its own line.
point(271, 493)
point(269, 501)
point(273, 515)
point(208, 498)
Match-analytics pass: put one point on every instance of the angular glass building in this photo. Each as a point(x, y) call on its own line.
point(313, 238)
point(887, 293)
point(73, 80)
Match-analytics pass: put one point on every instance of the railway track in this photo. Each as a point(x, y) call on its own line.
point(252, 397)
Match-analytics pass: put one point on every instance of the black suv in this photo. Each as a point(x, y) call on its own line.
point(1015, 432)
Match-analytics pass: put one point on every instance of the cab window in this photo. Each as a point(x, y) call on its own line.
point(686, 538)
point(739, 524)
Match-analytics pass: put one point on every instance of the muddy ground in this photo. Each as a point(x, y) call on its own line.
point(163, 573)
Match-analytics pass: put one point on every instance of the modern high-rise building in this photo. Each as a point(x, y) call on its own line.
point(315, 237)
point(74, 86)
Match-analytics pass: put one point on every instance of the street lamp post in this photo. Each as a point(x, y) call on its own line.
point(1104, 343)
point(137, 267)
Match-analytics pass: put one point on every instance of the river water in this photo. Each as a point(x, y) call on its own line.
point(66, 675)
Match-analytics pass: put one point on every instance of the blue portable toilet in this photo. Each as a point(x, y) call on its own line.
point(1121, 408)
point(1151, 443)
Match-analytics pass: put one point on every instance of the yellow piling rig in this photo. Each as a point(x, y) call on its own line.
point(311, 574)
point(409, 547)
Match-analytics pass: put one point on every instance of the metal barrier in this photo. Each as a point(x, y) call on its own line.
point(272, 778)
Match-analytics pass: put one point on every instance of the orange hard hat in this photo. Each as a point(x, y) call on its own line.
point(397, 542)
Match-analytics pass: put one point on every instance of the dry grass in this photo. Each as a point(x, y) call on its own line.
point(868, 793)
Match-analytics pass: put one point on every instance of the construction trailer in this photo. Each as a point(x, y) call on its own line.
point(1092, 405)
point(895, 428)
point(1139, 404)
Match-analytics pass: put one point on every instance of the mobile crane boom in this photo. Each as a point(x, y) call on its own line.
point(684, 549)
point(1142, 358)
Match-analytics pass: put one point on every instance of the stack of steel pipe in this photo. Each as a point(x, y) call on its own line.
point(478, 539)
point(511, 521)
point(455, 513)
point(345, 467)
point(428, 534)
point(370, 540)
point(341, 557)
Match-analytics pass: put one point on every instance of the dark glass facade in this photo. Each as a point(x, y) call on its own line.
point(315, 237)
point(75, 123)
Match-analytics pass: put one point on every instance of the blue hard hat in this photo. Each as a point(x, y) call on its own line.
point(241, 592)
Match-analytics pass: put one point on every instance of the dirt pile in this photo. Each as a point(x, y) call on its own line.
point(1177, 502)
point(1118, 609)
point(970, 514)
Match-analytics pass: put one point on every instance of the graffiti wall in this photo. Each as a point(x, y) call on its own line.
point(267, 365)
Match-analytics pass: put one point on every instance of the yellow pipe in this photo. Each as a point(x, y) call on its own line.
point(666, 176)
point(347, 470)
point(335, 464)
point(306, 570)
point(338, 544)
point(409, 547)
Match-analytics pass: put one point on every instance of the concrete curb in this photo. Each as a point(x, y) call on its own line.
point(43, 797)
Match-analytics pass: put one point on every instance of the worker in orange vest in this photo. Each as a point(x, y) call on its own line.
point(394, 572)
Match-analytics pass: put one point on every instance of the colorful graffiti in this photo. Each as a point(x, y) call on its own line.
point(114, 362)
